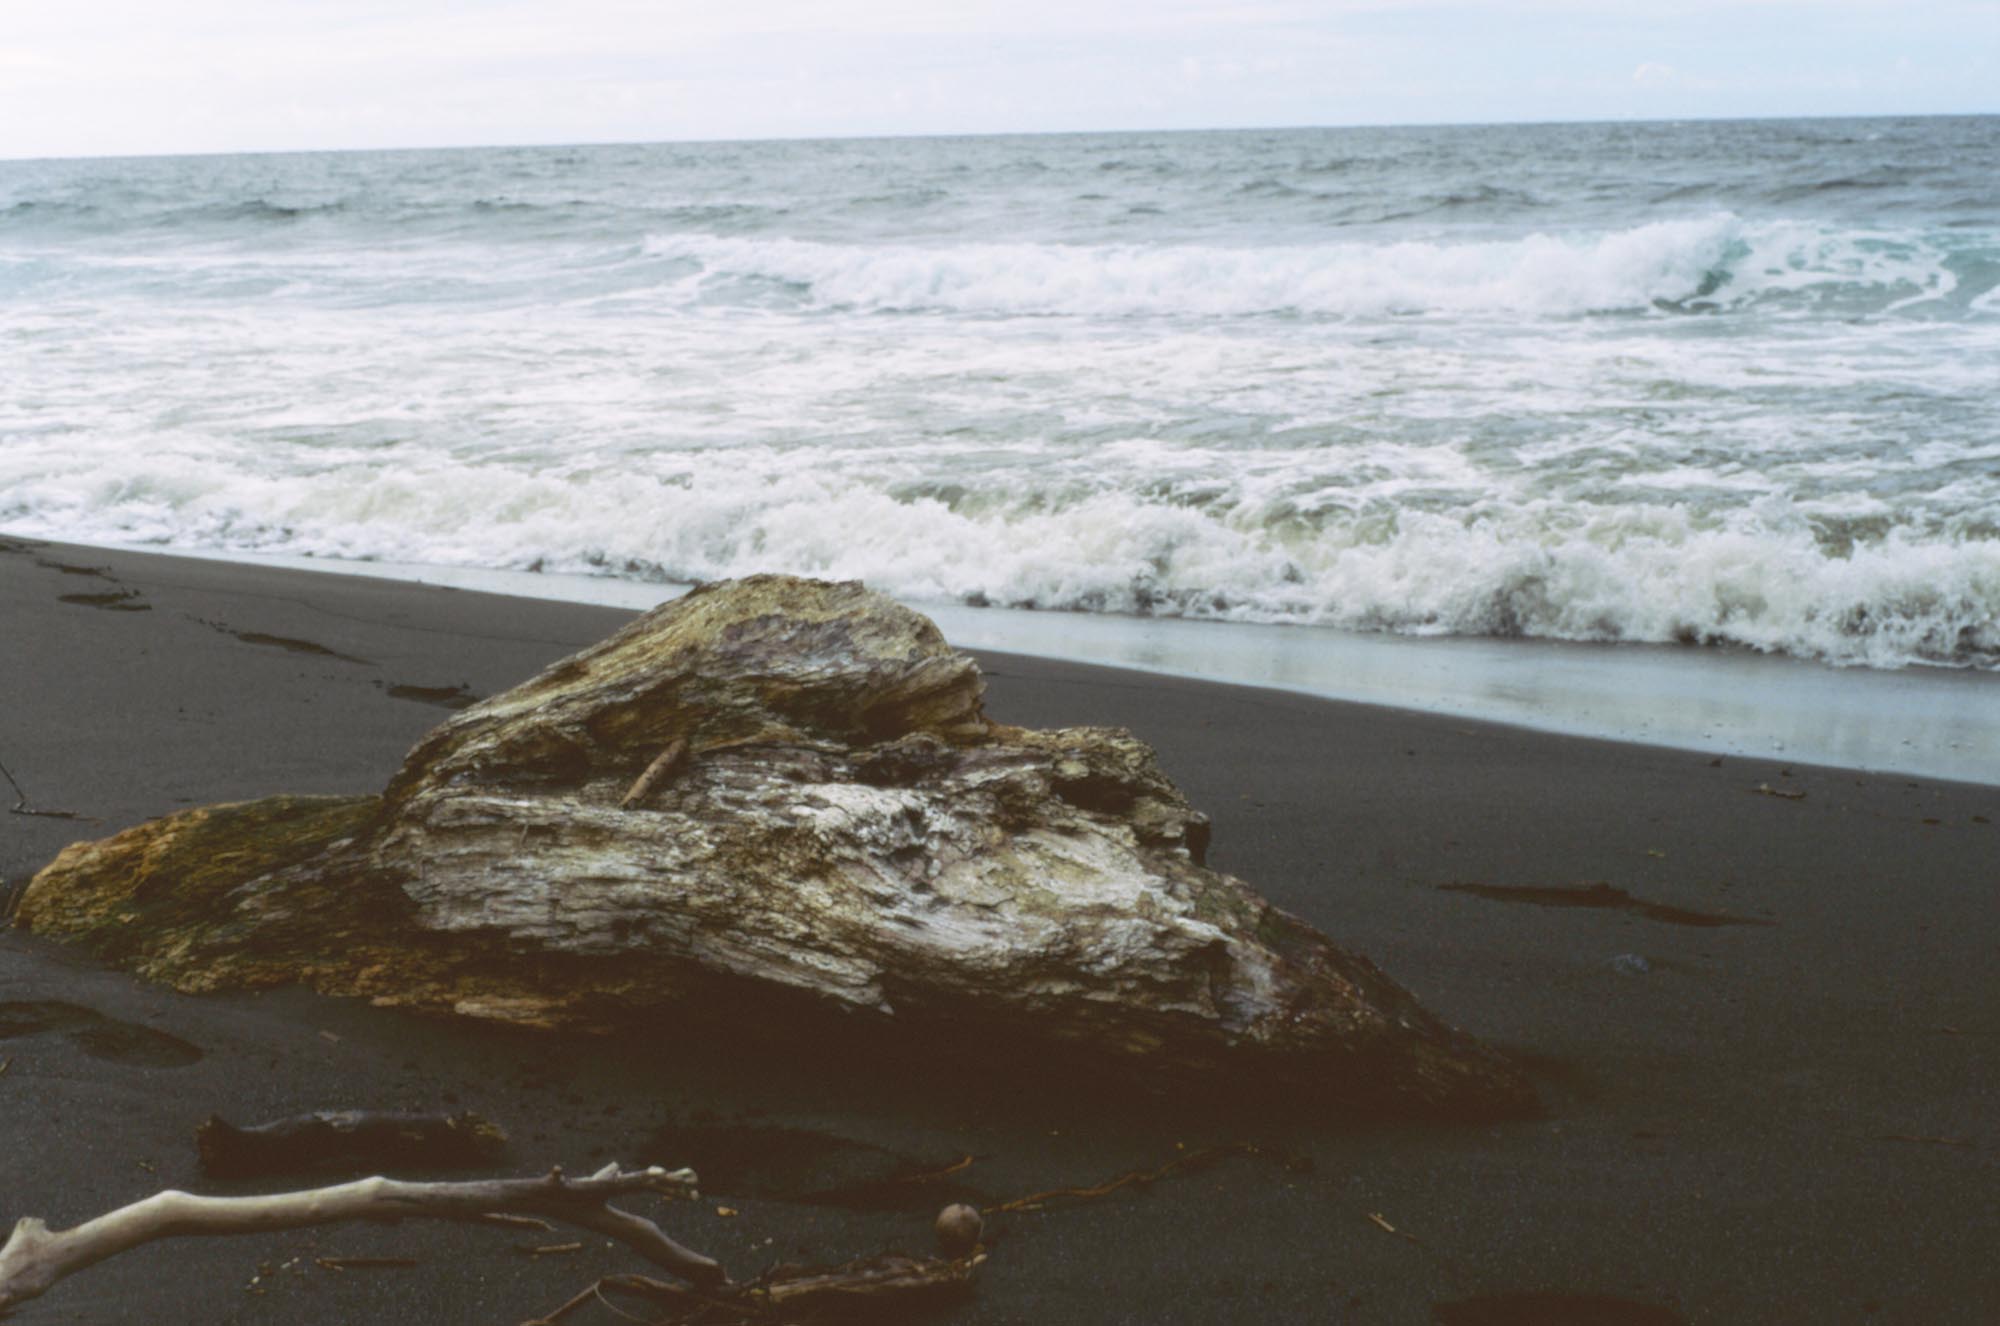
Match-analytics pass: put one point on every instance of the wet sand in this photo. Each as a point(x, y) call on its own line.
point(1763, 1026)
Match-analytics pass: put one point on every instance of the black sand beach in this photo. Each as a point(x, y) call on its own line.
point(1766, 1045)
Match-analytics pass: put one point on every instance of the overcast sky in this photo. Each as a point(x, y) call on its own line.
point(89, 77)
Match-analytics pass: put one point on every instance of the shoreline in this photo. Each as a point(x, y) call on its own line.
point(1932, 722)
point(1783, 1119)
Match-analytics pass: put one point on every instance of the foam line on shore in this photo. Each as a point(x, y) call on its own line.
point(1932, 722)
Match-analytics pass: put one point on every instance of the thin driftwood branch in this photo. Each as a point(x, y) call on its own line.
point(868, 1289)
point(35, 1257)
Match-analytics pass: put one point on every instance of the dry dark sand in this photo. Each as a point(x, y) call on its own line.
point(1792, 1121)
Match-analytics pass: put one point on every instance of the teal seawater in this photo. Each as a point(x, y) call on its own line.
point(1725, 383)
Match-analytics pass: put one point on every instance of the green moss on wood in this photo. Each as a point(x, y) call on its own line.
point(119, 896)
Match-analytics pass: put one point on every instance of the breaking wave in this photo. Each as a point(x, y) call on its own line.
point(1707, 383)
point(1764, 577)
point(1711, 262)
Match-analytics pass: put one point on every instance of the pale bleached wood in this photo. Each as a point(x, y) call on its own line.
point(36, 1257)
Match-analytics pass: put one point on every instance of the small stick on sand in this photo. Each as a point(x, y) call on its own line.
point(1036, 1201)
point(550, 1250)
point(1965, 1143)
point(21, 806)
point(787, 1293)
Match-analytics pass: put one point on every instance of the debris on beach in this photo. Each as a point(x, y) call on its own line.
point(958, 1228)
point(885, 1287)
point(34, 1258)
point(21, 806)
point(776, 802)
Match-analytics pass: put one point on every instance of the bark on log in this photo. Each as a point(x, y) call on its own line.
point(36, 1257)
point(851, 843)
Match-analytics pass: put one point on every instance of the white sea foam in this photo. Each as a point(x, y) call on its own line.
point(1641, 572)
point(1717, 258)
point(1475, 381)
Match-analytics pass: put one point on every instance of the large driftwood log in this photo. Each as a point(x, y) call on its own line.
point(846, 833)
point(35, 1257)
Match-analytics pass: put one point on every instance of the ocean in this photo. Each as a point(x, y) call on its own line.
point(1731, 384)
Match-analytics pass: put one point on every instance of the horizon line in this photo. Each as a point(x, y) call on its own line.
point(1006, 133)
